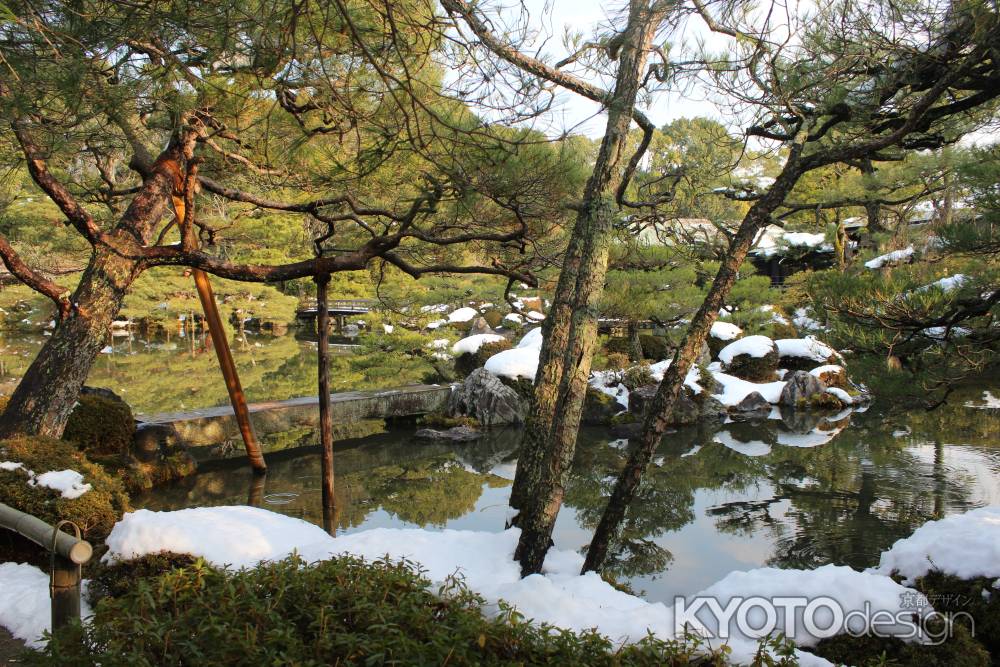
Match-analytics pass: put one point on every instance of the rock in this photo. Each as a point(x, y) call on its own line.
point(480, 326)
point(689, 408)
point(483, 396)
point(103, 393)
point(800, 387)
point(152, 442)
point(754, 369)
point(599, 408)
point(456, 434)
point(705, 356)
point(753, 406)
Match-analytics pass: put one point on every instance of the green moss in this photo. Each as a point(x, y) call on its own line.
point(960, 650)
point(494, 318)
point(441, 420)
point(96, 511)
point(101, 426)
point(964, 599)
point(655, 348)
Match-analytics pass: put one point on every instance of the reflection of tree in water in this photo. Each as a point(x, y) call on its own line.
point(848, 500)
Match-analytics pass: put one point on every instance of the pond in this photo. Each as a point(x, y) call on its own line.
point(796, 492)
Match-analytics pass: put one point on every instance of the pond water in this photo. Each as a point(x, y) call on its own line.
point(798, 492)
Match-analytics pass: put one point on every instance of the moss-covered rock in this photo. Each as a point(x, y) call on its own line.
point(96, 511)
point(101, 424)
point(973, 604)
point(754, 369)
point(599, 408)
point(493, 317)
point(466, 363)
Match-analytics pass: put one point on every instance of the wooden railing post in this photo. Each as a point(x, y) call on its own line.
point(323, 377)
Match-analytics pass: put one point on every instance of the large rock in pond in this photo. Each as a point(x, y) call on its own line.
point(753, 406)
point(801, 389)
point(754, 358)
point(690, 408)
point(484, 397)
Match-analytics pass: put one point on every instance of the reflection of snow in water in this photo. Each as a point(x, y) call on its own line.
point(751, 448)
point(283, 498)
point(989, 402)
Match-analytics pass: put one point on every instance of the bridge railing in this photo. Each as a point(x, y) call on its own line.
point(347, 305)
point(68, 554)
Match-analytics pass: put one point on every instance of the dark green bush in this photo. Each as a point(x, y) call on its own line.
point(755, 369)
point(637, 376)
point(618, 346)
point(96, 511)
point(655, 348)
point(101, 426)
point(494, 318)
point(341, 611)
point(118, 579)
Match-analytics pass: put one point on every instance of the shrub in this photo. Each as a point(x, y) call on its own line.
point(637, 376)
point(340, 611)
point(101, 425)
point(96, 511)
point(755, 369)
point(618, 346)
point(656, 348)
point(617, 361)
point(494, 318)
point(118, 579)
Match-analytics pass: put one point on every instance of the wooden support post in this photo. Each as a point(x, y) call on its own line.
point(65, 591)
point(325, 416)
point(221, 343)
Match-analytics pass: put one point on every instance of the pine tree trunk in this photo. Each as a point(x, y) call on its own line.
point(658, 412)
point(635, 344)
point(570, 330)
point(44, 398)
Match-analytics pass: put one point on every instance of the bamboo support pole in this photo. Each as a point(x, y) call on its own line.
point(229, 372)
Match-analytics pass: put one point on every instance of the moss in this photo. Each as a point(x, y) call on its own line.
point(441, 420)
point(617, 361)
point(599, 408)
point(755, 369)
point(961, 597)
point(960, 650)
point(524, 387)
point(823, 401)
point(101, 426)
point(836, 379)
point(96, 511)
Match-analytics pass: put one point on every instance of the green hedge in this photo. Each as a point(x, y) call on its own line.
point(341, 611)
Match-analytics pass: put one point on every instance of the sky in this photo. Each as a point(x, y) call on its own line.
point(586, 16)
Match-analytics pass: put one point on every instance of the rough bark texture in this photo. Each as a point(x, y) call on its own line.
point(658, 416)
point(44, 398)
point(570, 330)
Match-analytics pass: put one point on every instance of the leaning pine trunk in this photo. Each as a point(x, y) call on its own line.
point(660, 408)
point(570, 330)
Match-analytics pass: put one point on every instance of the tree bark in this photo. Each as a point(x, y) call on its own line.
point(570, 330)
point(43, 400)
point(657, 415)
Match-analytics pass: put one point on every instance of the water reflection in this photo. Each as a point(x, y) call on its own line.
point(800, 492)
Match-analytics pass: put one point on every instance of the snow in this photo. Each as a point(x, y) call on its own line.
point(535, 316)
point(803, 320)
point(609, 382)
point(68, 482)
point(388, 328)
point(436, 323)
point(520, 362)
point(436, 308)
point(244, 536)
point(691, 380)
point(819, 371)
point(990, 402)
point(964, 545)
point(725, 331)
point(844, 397)
point(25, 609)
point(754, 346)
point(735, 389)
point(863, 592)
point(893, 257)
point(462, 314)
point(439, 344)
point(513, 317)
point(751, 448)
point(10, 465)
point(471, 344)
point(808, 348)
point(775, 316)
point(774, 240)
point(532, 339)
point(946, 284)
